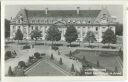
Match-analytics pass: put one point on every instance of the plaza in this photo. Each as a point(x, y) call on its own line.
point(91, 55)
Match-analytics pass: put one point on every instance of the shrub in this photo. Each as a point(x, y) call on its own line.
point(82, 72)
point(26, 47)
point(98, 64)
point(91, 46)
point(22, 64)
point(10, 72)
point(116, 70)
point(105, 46)
point(73, 45)
point(55, 48)
point(19, 71)
point(59, 52)
point(72, 68)
point(113, 47)
point(37, 55)
point(42, 54)
point(60, 62)
point(52, 56)
point(70, 53)
point(57, 44)
point(84, 60)
point(29, 61)
point(120, 53)
point(8, 55)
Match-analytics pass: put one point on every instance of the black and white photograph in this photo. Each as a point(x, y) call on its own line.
point(63, 40)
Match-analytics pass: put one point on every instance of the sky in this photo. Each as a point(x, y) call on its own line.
point(114, 10)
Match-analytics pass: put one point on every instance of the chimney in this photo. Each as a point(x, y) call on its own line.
point(78, 10)
point(46, 11)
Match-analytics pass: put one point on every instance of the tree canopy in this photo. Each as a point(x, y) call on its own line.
point(71, 34)
point(53, 33)
point(7, 28)
point(36, 34)
point(119, 29)
point(19, 35)
point(90, 37)
point(109, 37)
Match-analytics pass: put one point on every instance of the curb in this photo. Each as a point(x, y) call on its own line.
point(32, 65)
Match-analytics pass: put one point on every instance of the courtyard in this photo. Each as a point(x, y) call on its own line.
point(48, 68)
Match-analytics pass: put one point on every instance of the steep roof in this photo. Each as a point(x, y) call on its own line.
point(62, 13)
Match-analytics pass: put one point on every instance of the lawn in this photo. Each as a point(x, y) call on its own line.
point(108, 62)
point(44, 69)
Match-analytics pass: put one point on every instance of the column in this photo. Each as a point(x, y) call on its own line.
point(27, 28)
point(11, 31)
point(81, 32)
point(100, 33)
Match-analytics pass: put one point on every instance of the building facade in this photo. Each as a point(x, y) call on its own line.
point(97, 21)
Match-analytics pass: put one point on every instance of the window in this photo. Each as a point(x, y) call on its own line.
point(38, 21)
point(96, 28)
point(32, 27)
point(18, 27)
point(37, 27)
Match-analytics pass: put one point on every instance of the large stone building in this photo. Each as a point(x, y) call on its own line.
point(83, 20)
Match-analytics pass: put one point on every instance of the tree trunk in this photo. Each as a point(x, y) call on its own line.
point(109, 45)
point(18, 41)
point(35, 41)
point(89, 43)
point(52, 43)
point(70, 44)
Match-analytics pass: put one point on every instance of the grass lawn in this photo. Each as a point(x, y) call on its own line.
point(44, 69)
point(108, 62)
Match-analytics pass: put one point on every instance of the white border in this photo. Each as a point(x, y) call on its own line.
point(60, 78)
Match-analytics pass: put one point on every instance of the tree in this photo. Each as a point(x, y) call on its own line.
point(19, 35)
point(37, 55)
point(71, 34)
point(109, 37)
point(90, 37)
point(98, 64)
point(36, 34)
point(116, 70)
point(72, 68)
point(120, 53)
point(60, 62)
point(10, 72)
point(84, 60)
point(82, 72)
point(53, 34)
point(52, 56)
point(119, 29)
point(7, 28)
point(22, 64)
point(70, 53)
point(19, 71)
